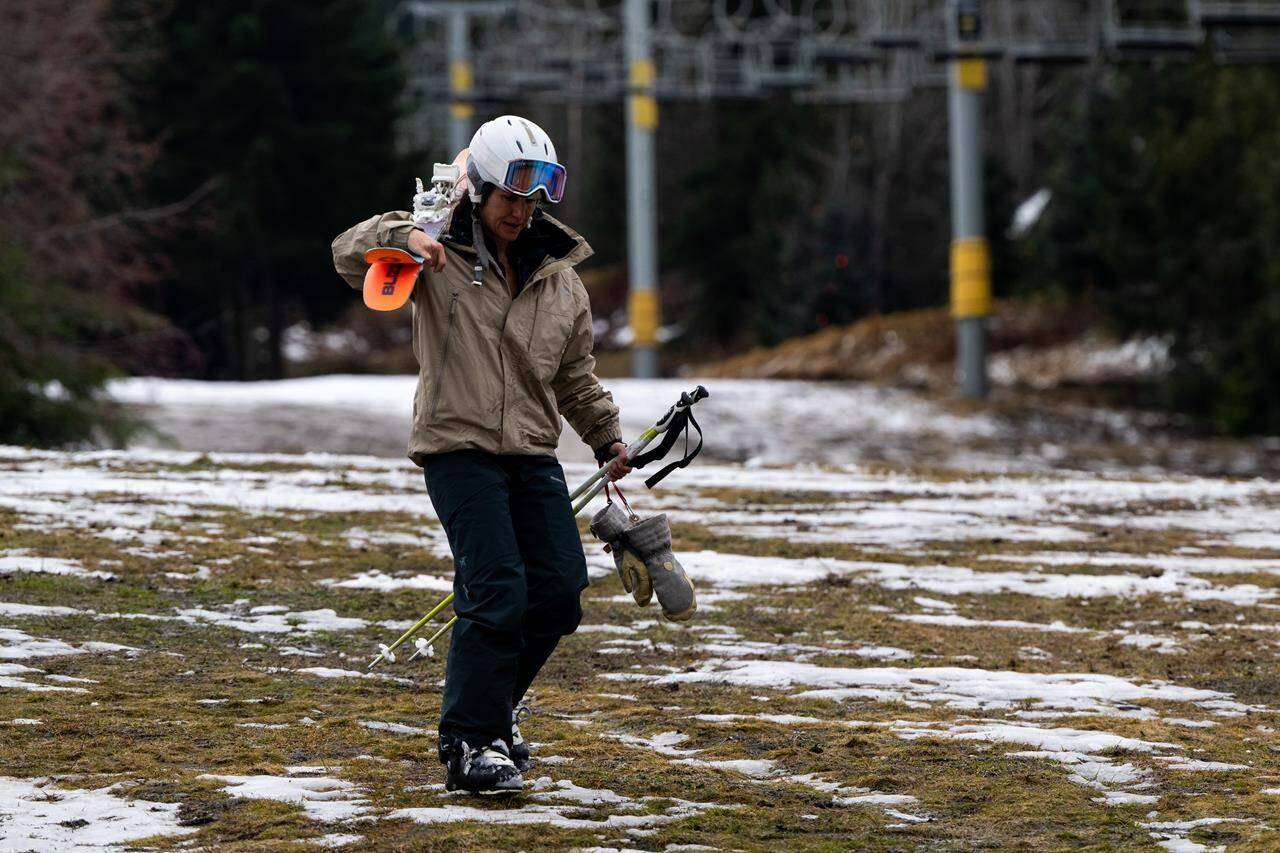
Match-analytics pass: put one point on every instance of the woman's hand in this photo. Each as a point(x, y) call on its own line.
point(618, 468)
point(428, 249)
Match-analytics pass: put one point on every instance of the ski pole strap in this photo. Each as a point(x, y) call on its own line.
point(682, 420)
point(621, 497)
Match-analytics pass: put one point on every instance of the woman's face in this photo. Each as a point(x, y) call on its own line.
point(505, 215)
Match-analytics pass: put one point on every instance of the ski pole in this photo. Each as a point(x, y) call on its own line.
point(387, 653)
point(632, 449)
point(687, 400)
point(424, 646)
point(599, 478)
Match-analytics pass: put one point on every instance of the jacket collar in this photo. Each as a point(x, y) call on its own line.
point(547, 247)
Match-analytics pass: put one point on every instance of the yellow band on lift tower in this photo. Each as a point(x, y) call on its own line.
point(971, 73)
point(461, 79)
point(644, 112)
point(644, 106)
point(643, 73)
point(460, 109)
point(643, 311)
point(970, 277)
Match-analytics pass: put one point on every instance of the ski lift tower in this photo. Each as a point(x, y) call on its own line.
point(970, 257)
point(642, 208)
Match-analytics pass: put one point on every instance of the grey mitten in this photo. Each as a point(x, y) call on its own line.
point(642, 553)
point(651, 540)
point(609, 525)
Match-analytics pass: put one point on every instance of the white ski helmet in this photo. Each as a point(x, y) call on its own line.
point(515, 154)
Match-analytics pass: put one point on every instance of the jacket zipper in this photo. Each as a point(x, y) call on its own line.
point(444, 356)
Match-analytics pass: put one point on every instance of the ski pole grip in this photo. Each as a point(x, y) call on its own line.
point(688, 398)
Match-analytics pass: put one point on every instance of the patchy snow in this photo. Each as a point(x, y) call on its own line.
point(757, 768)
point(883, 653)
point(952, 621)
point(387, 583)
point(17, 645)
point(889, 512)
point(322, 798)
point(14, 562)
point(35, 610)
point(816, 414)
point(557, 816)
point(663, 744)
point(1177, 762)
point(335, 839)
point(269, 620)
point(879, 799)
point(331, 672)
point(969, 689)
point(780, 719)
point(37, 815)
point(394, 728)
point(61, 497)
point(1125, 798)
point(545, 790)
point(1161, 645)
point(1090, 770)
point(1174, 835)
point(1056, 739)
point(898, 525)
point(1165, 562)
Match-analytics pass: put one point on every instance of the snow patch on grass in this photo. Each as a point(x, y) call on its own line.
point(557, 816)
point(956, 687)
point(387, 583)
point(17, 645)
point(953, 621)
point(268, 620)
point(15, 562)
point(36, 815)
point(394, 728)
point(322, 798)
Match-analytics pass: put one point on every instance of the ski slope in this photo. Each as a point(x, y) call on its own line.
point(883, 656)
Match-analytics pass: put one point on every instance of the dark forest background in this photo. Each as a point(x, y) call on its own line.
point(172, 172)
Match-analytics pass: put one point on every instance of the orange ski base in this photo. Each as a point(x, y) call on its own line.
point(389, 282)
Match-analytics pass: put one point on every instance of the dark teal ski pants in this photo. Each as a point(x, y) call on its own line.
point(518, 573)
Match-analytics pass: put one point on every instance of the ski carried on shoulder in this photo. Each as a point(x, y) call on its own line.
point(392, 273)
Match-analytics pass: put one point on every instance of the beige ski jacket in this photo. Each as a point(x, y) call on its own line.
point(496, 373)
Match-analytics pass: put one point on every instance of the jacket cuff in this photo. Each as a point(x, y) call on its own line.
point(398, 237)
point(602, 450)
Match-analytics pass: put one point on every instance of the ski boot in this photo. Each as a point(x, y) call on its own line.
point(519, 749)
point(642, 554)
point(481, 770)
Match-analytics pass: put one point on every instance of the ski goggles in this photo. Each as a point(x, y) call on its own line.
point(525, 177)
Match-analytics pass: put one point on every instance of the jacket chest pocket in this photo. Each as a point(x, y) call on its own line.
point(548, 340)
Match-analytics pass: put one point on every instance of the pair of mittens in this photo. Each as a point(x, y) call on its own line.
point(646, 565)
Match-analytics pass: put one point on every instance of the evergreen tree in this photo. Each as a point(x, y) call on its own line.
point(1166, 209)
point(286, 111)
point(735, 232)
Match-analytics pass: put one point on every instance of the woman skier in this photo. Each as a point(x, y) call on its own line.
point(503, 337)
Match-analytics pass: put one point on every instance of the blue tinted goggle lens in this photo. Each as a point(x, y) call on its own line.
point(525, 177)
